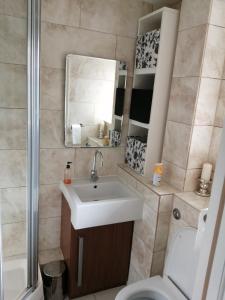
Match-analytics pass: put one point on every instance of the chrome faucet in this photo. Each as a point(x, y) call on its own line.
point(94, 174)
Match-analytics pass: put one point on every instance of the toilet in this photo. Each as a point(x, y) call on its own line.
point(179, 273)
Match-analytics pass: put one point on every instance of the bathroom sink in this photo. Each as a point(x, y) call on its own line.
point(104, 202)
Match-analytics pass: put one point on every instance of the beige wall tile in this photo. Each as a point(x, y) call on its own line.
point(13, 86)
point(162, 231)
point(174, 175)
point(13, 168)
point(207, 101)
point(120, 17)
point(1, 6)
point(176, 143)
point(145, 229)
point(13, 205)
point(191, 180)
point(151, 198)
point(52, 164)
point(220, 111)
point(13, 123)
point(195, 201)
point(158, 263)
point(84, 159)
point(59, 40)
point(49, 233)
point(50, 201)
point(166, 203)
point(199, 148)
point(217, 13)
point(141, 257)
point(65, 12)
point(13, 39)
point(214, 55)
point(133, 276)
point(16, 8)
point(194, 13)
point(52, 89)
point(125, 51)
point(190, 46)
point(14, 239)
point(47, 256)
point(52, 129)
point(215, 144)
point(183, 98)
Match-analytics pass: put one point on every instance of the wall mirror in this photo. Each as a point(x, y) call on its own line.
point(94, 100)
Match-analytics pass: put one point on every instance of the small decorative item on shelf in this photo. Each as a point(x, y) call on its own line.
point(115, 138)
point(101, 131)
point(205, 180)
point(122, 66)
point(135, 153)
point(147, 49)
point(106, 140)
point(157, 174)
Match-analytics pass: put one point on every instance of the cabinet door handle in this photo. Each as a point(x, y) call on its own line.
point(80, 261)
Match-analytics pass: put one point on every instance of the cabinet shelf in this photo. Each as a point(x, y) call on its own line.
point(146, 71)
point(118, 117)
point(158, 79)
point(139, 124)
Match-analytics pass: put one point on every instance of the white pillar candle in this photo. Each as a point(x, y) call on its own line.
point(206, 171)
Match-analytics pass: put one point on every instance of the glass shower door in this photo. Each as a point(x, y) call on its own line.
point(13, 145)
point(19, 136)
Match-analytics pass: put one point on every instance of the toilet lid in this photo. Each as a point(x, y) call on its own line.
point(182, 259)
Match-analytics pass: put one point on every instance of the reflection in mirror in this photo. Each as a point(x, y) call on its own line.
point(95, 89)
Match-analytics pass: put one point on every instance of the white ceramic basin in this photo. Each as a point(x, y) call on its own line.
point(106, 201)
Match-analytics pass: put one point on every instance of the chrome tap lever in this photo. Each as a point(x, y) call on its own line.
point(94, 173)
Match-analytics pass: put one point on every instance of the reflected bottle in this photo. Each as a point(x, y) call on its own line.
point(67, 173)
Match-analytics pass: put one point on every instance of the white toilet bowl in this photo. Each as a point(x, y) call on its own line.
point(179, 273)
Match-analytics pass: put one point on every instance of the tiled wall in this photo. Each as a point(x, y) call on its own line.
point(218, 21)
point(195, 90)
point(13, 115)
point(151, 233)
point(89, 27)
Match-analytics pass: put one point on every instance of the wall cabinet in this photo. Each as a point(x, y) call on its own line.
point(97, 258)
point(156, 79)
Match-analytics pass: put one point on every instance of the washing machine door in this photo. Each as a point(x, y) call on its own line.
point(182, 260)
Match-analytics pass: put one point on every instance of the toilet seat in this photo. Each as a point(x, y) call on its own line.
point(154, 288)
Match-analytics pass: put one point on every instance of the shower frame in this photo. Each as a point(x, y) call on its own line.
point(33, 148)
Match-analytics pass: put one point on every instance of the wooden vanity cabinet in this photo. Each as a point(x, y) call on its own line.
point(97, 258)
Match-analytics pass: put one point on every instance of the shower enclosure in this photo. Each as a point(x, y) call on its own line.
point(19, 149)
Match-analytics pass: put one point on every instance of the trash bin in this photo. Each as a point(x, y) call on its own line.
point(54, 280)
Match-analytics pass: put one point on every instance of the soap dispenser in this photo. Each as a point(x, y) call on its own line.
point(67, 173)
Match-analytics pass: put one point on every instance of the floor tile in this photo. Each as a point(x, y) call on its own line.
point(108, 294)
